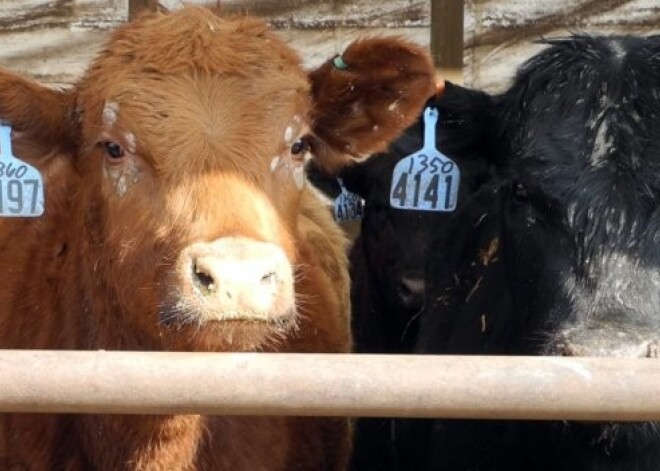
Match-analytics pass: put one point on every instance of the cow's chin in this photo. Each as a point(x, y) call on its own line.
point(235, 332)
point(609, 438)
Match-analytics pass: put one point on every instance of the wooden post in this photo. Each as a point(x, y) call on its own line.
point(447, 19)
point(546, 388)
point(136, 7)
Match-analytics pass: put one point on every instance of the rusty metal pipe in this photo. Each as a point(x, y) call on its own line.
point(330, 385)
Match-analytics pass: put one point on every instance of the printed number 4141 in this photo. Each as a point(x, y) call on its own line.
point(431, 191)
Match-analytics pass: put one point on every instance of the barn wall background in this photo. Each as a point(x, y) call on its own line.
point(53, 40)
point(500, 34)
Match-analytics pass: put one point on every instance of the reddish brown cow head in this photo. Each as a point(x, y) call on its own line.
point(190, 132)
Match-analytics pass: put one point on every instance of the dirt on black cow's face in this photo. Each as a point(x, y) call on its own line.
point(194, 132)
point(573, 206)
point(583, 217)
point(573, 217)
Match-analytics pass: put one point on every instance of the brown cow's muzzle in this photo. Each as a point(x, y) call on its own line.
point(235, 278)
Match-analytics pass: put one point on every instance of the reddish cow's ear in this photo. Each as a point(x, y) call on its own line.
point(46, 115)
point(366, 97)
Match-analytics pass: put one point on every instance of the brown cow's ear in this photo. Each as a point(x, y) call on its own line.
point(45, 114)
point(366, 97)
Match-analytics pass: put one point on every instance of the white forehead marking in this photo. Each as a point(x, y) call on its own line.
point(618, 49)
point(110, 111)
point(297, 119)
point(274, 163)
point(299, 176)
point(288, 134)
point(131, 141)
point(602, 145)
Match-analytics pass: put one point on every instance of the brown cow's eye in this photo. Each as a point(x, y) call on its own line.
point(300, 146)
point(114, 150)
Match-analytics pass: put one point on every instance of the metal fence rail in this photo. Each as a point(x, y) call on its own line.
point(330, 385)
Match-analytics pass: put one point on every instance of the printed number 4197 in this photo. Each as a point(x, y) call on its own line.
point(12, 194)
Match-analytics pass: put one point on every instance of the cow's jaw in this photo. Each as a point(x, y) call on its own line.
point(616, 315)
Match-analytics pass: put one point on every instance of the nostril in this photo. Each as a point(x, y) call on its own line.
point(412, 286)
point(202, 279)
point(411, 289)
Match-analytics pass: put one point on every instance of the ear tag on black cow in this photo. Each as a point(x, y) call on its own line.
point(426, 180)
point(348, 205)
point(21, 186)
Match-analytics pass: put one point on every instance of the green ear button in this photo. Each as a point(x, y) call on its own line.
point(339, 63)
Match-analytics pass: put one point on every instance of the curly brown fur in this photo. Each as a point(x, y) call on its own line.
point(361, 108)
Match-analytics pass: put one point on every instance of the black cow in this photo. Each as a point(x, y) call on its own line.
point(389, 257)
point(558, 254)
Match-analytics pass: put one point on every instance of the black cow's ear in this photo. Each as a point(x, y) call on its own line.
point(467, 118)
point(323, 180)
point(355, 179)
point(457, 98)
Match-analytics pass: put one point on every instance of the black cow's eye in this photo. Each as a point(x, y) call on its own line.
point(114, 150)
point(520, 191)
point(300, 146)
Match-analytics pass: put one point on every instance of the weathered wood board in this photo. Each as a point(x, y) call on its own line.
point(501, 34)
point(319, 29)
point(53, 40)
point(323, 14)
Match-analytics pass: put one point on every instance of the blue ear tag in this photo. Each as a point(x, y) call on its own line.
point(21, 186)
point(348, 205)
point(427, 180)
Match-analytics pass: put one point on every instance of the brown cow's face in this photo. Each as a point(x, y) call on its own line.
point(190, 133)
point(197, 179)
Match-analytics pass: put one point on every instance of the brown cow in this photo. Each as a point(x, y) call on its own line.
point(177, 218)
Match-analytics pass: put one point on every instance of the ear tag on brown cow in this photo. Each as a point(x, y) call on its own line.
point(348, 205)
point(21, 185)
point(427, 180)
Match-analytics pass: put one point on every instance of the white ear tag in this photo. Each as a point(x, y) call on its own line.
point(426, 180)
point(348, 205)
point(21, 186)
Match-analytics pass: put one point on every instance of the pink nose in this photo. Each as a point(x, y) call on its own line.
point(235, 278)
